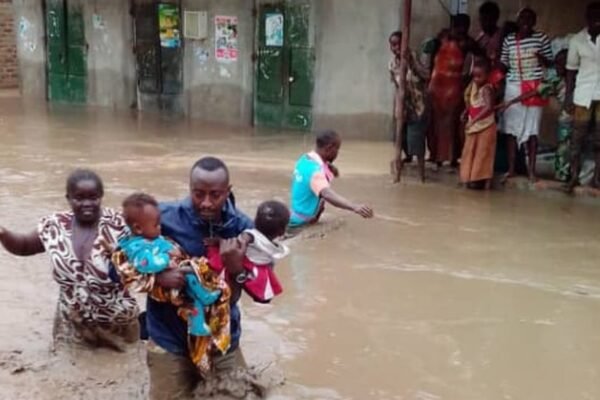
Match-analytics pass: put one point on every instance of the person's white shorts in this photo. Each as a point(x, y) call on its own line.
point(520, 121)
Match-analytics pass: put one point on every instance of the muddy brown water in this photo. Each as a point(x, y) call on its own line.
point(446, 294)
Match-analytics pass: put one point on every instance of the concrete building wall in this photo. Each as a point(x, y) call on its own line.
point(352, 89)
point(217, 91)
point(9, 68)
point(110, 58)
point(108, 31)
point(30, 48)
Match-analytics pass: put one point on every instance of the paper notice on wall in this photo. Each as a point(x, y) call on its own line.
point(168, 25)
point(274, 30)
point(226, 39)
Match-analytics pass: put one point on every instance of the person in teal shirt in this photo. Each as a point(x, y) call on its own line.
point(311, 183)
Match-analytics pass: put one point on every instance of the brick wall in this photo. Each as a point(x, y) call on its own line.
point(9, 69)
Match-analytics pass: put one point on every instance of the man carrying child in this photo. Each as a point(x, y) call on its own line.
point(209, 212)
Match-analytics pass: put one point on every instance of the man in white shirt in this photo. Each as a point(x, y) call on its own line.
point(583, 92)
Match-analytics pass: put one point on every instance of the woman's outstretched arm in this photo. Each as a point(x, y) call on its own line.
point(21, 245)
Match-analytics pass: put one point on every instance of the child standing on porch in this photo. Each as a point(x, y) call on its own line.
point(416, 101)
point(480, 142)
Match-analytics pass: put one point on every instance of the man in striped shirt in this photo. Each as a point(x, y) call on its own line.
point(525, 54)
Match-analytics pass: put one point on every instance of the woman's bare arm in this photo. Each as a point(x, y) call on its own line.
point(21, 245)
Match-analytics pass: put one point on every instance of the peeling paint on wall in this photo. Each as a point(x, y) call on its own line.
point(224, 72)
point(27, 35)
point(24, 25)
point(201, 55)
point(98, 22)
point(100, 42)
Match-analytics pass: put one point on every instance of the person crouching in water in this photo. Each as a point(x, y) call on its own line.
point(311, 184)
point(480, 140)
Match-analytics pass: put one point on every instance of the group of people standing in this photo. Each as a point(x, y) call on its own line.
point(461, 93)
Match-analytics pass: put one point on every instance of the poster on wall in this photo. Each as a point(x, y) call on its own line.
point(168, 25)
point(226, 46)
point(274, 30)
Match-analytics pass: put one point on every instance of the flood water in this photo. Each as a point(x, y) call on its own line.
point(446, 294)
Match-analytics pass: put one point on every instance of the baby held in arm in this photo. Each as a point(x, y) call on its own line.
point(262, 252)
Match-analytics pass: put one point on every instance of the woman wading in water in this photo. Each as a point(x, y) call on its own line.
point(91, 309)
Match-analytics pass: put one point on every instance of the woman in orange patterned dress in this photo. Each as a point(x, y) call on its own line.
point(447, 88)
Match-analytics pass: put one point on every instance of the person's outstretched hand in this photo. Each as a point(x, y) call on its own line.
point(364, 211)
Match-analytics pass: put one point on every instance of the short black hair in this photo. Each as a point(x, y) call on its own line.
point(483, 63)
point(528, 10)
point(272, 217)
point(139, 199)
point(491, 9)
point(592, 7)
point(325, 138)
point(82, 174)
point(396, 34)
point(509, 28)
point(136, 202)
point(210, 164)
point(461, 20)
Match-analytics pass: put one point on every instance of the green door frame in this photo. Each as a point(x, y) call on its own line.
point(66, 51)
point(284, 75)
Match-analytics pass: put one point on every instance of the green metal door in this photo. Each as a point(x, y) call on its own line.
point(284, 71)
point(57, 52)
point(76, 52)
point(67, 51)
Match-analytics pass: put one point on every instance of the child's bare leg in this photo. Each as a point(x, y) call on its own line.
point(396, 167)
point(421, 160)
point(488, 184)
point(532, 146)
point(512, 155)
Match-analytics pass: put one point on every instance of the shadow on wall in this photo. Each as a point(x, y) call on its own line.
point(219, 102)
point(170, 106)
point(116, 96)
point(374, 126)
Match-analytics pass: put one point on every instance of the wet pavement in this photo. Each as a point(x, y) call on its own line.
point(446, 294)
